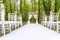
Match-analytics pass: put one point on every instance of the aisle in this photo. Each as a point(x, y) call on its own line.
point(32, 32)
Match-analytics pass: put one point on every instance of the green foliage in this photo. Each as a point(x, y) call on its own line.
point(42, 6)
point(33, 20)
point(34, 5)
point(9, 8)
point(40, 11)
point(25, 12)
point(47, 6)
point(57, 3)
point(59, 18)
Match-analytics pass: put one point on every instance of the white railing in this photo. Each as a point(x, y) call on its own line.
point(50, 23)
point(10, 23)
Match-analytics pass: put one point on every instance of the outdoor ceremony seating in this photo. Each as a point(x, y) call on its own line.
point(12, 20)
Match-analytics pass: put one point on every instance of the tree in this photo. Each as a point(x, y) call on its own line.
point(47, 7)
point(21, 6)
point(39, 11)
point(7, 8)
point(59, 9)
point(25, 11)
point(32, 4)
point(35, 4)
point(10, 6)
point(56, 6)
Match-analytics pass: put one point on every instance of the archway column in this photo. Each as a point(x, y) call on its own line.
point(2, 10)
point(29, 18)
point(36, 17)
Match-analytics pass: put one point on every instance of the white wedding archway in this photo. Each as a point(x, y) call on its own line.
point(35, 14)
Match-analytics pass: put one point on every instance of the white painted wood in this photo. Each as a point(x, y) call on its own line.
point(35, 16)
point(51, 21)
point(10, 22)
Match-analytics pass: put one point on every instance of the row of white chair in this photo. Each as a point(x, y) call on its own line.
point(52, 24)
point(9, 25)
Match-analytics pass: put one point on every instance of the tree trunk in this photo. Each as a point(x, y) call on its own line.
point(32, 4)
point(55, 10)
point(47, 8)
point(39, 11)
point(56, 3)
point(10, 6)
point(20, 6)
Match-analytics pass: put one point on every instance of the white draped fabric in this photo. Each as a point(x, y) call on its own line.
point(30, 16)
point(35, 16)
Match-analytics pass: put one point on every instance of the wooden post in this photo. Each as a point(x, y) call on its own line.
point(10, 26)
point(2, 17)
point(29, 17)
point(15, 19)
point(57, 26)
point(45, 20)
point(36, 17)
point(58, 23)
point(50, 19)
point(21, 20)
